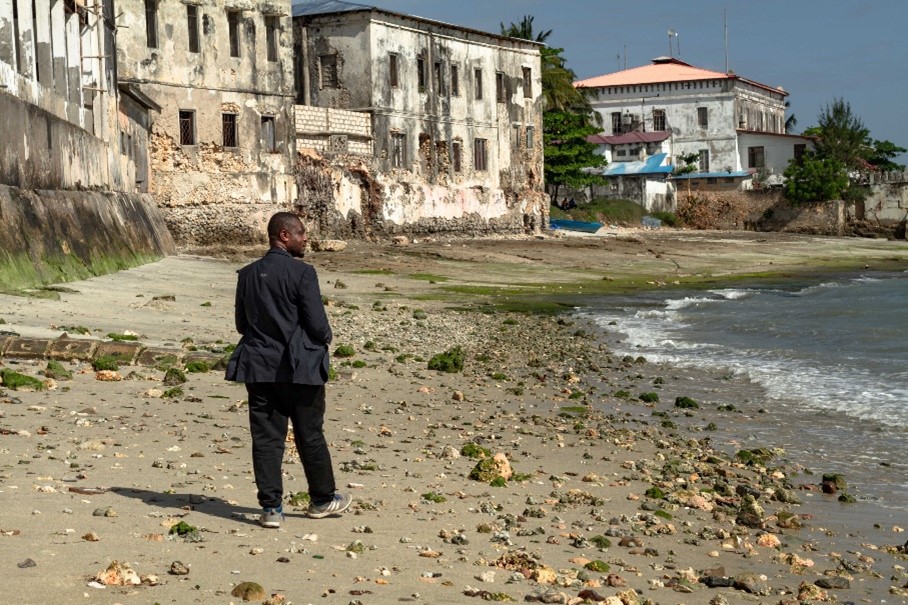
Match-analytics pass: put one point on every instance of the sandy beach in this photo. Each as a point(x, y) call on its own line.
point(617, 494)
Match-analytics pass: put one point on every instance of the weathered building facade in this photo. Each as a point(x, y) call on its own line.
point(735, 126)
point(455, 113)
point(69, 205)
point(222, 148)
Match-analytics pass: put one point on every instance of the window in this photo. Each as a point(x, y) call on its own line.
point(616, 122)
point(192, 25)
point(228, 129)
point(398, 149)
point(658, 119)
point(755, 157)
point(799, 151)
point(437, 82)
point(702, 117)
point(233, 29)
point(704, 160)
point(517, 138)
point(272, 29)
point(500, 88)
point(421, 74)
point(527, 83)
point(621, 153)
point(477, 84)
point(327, 71)
point(480, 154)
point(529, 140)
point(393, 74)
point(151, 23)
point(269, 140)
point(187, 127)
point(456, 154)
point(455, 81)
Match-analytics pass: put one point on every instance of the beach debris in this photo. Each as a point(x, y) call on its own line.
point(29, 562)
point(118, 574)
point(833, 482)
point(490, 469)
point(248, 591)
point(178, 568)
point(108, 376)
point(91, 537)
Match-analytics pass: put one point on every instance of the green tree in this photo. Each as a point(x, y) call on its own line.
point(815, 179)
point(842, 135)
point(881, 154)
point(568, 117)
point(568, 154)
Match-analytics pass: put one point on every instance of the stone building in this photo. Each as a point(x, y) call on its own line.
point(222, 147)
point(455, 136)
point(734, 125)
point(69, 200)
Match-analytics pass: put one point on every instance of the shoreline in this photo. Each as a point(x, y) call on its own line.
point(397, 431)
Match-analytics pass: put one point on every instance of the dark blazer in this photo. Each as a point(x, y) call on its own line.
point(279, 312)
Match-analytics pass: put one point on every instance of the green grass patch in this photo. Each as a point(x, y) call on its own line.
point(374, 272)
point(597, 566)
point(299, 499)
point(686, 403)
point(663, 514)
point(649, 397)
point(182, 528)
point(76, 330)
point(173, 393)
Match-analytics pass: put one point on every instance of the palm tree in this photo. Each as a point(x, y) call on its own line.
point(791, 121)
point(558, 90)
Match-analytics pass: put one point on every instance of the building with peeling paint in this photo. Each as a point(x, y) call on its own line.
point(71, 148)
point(454, 137)
point(222, 146)
point(735, 126)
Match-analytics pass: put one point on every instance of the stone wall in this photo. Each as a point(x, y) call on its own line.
point(53, 236)
point(760, 211)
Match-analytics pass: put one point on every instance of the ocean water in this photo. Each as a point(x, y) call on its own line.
point(828, 361)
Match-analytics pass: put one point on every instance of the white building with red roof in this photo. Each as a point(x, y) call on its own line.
point(736, 126)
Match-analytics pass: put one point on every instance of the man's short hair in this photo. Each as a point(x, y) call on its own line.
point(282, 221)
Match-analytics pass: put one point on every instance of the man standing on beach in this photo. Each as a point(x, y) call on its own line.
point(282, 358)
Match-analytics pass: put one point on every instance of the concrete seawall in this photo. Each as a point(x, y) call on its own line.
point(53, 236)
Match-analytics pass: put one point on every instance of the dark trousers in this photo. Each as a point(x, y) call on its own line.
point(270, 406)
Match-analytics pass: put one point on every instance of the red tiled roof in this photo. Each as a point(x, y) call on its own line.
point(663, 70)
point(629, 137)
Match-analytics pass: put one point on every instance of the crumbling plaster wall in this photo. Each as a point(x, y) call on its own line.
point(430, 192)
point(211, 193)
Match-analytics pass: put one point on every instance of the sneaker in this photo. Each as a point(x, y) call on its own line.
point(336, 505)
point(271, 517)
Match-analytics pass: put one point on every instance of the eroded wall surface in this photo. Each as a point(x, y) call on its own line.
point(53, 236)
point(456, 123)
point(222, 148)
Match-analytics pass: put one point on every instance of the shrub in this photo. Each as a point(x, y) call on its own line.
point(654, 492)
point(597, 566)
point(173, 393)
point(451, 361)
point(649, 397)
point(434, 497)
point(667, 218)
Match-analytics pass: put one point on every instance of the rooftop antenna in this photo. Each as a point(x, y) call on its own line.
point(726, 40)
point(671, 34)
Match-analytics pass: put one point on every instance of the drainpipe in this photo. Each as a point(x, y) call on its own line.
point(304, 51)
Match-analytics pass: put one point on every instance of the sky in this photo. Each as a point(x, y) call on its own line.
point(817, 50)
